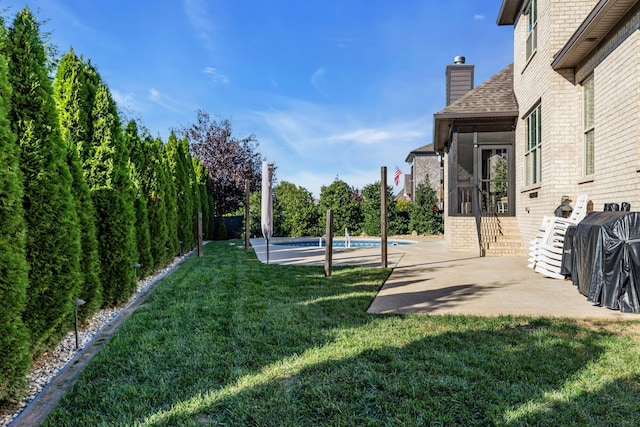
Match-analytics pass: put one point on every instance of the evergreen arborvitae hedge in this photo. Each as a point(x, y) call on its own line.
point(136, 166)
point(90, 286)
point(211, 220)
point(172, 209)
point(111, 190)
point(152, 179)
point(53, 238)
point(71, 94)
point(201, 183)
point(15, 359)
point(195, 191)
point(176, 159)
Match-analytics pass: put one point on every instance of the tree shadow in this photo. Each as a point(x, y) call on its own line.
point(244, 346)
point(464, 377)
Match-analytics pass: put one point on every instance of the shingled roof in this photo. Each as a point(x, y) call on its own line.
point(425, 149)
point(492, 99)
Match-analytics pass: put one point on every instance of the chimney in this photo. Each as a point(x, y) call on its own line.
point(459, 79)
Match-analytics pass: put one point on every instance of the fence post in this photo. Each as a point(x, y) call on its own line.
point(246, 214)
point(199, 233)
point(383, 214)
point(328, 250)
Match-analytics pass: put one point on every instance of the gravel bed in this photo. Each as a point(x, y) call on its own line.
point(47, 366)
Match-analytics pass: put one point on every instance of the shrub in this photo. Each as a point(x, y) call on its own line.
point(53, 237)
point(15, 359)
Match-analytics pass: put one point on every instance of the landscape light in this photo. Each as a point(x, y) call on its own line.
point(77, 303)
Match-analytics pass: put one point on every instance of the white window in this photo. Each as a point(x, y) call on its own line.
point(533, 152)
point(588, 125)
point(532, 24)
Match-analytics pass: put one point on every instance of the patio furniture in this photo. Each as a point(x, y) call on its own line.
point(607, 264)
point(545, 251)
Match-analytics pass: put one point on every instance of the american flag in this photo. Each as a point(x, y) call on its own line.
point(396, 176)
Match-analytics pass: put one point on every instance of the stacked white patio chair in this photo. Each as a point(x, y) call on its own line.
point(545, 251)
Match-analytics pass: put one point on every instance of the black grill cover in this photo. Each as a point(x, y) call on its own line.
point(607, 259)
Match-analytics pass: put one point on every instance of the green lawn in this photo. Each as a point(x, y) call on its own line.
point(226, 340)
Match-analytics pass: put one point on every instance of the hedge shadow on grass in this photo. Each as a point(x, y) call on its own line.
point(227, 339)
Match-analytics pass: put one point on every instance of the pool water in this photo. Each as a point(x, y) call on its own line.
point(340, 243)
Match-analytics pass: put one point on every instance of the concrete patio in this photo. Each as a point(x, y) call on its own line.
point(429, 279)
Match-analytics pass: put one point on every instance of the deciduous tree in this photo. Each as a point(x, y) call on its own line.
point(298, 211)
point(340, 198)
point(229, 159)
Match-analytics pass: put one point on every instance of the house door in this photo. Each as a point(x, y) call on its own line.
point(494, 177)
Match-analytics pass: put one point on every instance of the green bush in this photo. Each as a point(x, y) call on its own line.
point(112, 193)
point(136, 165)
point(172, 206)
point(221, 229)
point(179, 167)
point(90, 286)
point(53, 236)
point(71, 95)
point(15, 360)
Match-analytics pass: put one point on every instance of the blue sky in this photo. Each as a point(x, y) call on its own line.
point(333, 88)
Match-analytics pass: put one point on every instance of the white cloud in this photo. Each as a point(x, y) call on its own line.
point(312, 144)
point(317, 79)
point(167, 102)
point(200, 21)
point(478, 17)
point(216, 76)
point(129, 102)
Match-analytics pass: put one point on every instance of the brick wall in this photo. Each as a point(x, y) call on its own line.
point(616, 77)
point(423, 165)
point(461, 233)
point(535, 81)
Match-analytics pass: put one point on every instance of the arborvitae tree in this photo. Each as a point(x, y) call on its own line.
point(152, 180)
point(111, 189)
point(53, 237)
point(425, 218)
point(136, 168)
point(172, 209)
point(195, 191)
point(176, 159)
point(211, 219)
point(90, 287)
point(15, 359)
point(71, 96)
point(206, 198)
point(255, 214)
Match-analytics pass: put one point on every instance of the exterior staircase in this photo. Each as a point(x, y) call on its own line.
point(500, 236)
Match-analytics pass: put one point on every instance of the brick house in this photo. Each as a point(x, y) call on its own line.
point(577, 82)
point(576, 85)
point(476, 133)
point(424, 162)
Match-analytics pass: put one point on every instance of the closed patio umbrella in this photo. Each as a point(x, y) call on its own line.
point(267, 203)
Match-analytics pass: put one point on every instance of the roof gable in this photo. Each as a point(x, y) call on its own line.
point(493, 96)
point(492, 99)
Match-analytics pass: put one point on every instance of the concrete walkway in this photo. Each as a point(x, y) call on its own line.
point(429, 279)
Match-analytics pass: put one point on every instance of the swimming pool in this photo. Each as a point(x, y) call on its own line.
point(339, 243)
